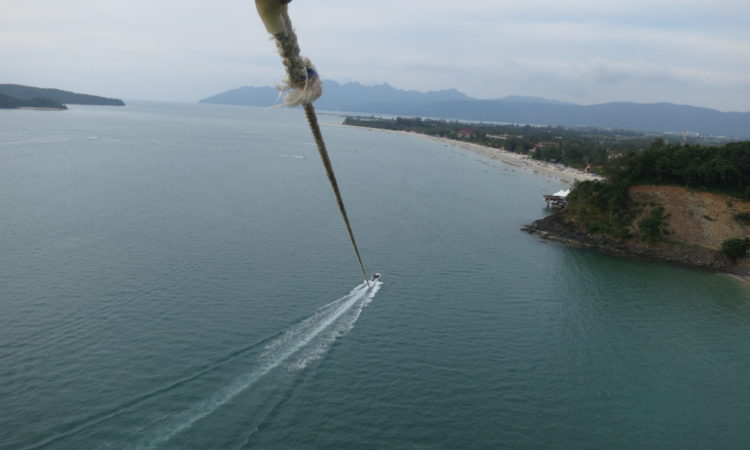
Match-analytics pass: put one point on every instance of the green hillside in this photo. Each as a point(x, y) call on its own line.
point(8, 102)
point(71, 98)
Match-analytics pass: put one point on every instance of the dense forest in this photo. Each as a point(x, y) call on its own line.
point(576, 147)
point(724, 169)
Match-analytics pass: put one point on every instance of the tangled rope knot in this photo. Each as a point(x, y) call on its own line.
point(302, 84)
point(302, 92)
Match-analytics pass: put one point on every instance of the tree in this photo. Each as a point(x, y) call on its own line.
point(736, 248)
point(652, 226)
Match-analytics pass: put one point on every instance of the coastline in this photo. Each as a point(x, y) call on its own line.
point(40, 108)
point(552, 228)
point(556, 228)
point(743, 278)
point(565, 174)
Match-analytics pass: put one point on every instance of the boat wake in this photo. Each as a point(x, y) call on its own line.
point(294, 349)
point(159, 416)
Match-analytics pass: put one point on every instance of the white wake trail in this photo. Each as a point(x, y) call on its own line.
point(321, 330)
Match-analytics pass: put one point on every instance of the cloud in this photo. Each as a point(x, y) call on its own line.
point(582, 50)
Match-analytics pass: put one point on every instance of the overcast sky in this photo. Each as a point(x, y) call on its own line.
point(583, 51)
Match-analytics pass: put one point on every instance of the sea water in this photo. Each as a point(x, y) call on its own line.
point(178, 276)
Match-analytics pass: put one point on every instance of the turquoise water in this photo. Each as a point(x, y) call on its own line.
point(177, 276)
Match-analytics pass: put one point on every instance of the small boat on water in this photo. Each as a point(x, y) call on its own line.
point(375, 276)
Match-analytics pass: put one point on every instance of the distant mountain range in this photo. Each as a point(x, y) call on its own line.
point(16, 95)
point(452, 104)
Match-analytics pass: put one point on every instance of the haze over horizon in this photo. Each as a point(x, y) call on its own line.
point(685, 52)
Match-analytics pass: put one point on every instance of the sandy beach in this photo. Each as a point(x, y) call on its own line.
point(558, 171)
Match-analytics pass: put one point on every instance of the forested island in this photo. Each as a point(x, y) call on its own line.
point(8, 102)
point(19, 96)
point(688, 204)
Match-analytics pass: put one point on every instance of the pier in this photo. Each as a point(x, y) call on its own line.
point(558, 200)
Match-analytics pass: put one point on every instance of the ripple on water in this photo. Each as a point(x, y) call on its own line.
point(157, 282)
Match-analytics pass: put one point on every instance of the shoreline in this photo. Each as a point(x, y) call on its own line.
point(563, 173)
point(706, 259)
point(40, 108)
point(556, 228)
point(743, 278)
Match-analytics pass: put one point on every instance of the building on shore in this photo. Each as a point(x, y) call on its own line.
point(557, 200)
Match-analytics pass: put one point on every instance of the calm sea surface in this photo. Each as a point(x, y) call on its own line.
point(178, 276)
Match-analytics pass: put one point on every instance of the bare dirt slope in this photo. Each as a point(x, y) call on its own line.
point(697, 224)
point(696, 218)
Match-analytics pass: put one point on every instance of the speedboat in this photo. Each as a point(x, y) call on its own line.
point(375, 276)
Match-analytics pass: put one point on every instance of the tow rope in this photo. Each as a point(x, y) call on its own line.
point(304, 87)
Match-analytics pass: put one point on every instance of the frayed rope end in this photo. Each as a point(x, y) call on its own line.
point(303, 93)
